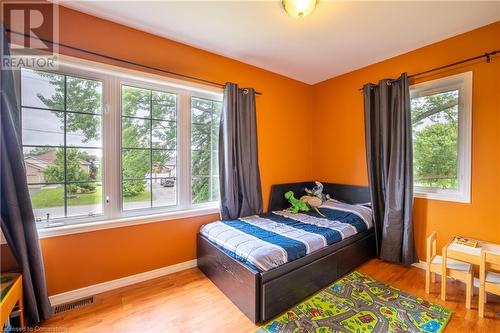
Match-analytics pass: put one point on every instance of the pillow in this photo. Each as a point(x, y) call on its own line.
point(364, 204)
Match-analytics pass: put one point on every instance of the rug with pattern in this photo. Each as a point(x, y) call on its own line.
point(358, 303)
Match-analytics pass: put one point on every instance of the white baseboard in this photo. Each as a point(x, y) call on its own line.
point(118, 283)
point(420, 264)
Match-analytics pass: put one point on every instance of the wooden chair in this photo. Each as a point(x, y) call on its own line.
point(457, 270)
point(488, 281)
point(11, 287)
point(446, 267)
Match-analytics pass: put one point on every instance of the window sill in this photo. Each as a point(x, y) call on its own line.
point(126, 221)
point(451, 197)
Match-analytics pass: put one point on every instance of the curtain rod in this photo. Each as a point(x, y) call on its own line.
point(74, 48)
point(487, 55)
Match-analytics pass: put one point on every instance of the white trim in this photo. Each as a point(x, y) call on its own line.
point(80, 64)
point(184, 150)
point(70, 229)
point(126, 221)
point(119, 283)
point(463, 83)
point(420, 264)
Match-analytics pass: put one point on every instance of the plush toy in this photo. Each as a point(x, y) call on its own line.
point(297, 205)
point(313, 202)
point(315, 197)
point(317, 191)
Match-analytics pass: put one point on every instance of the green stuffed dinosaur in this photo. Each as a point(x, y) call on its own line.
point(297, 205)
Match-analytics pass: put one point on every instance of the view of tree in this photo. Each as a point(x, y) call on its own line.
point(148, 121)
point(81, 96)
point(204, 145)
point(435, 134)
point(74, 170)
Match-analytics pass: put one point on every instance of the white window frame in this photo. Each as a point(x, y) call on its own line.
point(113, 78)
point(463, 83)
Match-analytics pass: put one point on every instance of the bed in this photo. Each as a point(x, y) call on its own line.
point(266, 285)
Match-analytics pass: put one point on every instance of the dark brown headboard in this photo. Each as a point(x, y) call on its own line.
point(346, 193)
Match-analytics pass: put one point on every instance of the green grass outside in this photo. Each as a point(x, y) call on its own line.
point(54, 197)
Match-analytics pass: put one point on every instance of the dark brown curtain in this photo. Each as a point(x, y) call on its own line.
point(389, 157)
point(17, 221)
point(239, 175)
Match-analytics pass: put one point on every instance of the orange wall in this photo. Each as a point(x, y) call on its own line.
point(8, 262)
point(340, 128)
point(83, 259)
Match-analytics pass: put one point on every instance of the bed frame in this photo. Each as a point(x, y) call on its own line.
point(263, 295)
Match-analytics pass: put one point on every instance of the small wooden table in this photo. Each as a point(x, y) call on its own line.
point(469, 255)
point(11, 291)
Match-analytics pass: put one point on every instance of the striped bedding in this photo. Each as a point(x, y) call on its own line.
point(269, 240)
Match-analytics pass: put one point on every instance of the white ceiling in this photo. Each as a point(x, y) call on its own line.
point(336, 38)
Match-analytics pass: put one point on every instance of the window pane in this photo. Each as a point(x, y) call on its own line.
point(135, 133)
point(136, 194)
point(42, 90)
point(215, 163)
point(84, 199)
point(157, 134)
point(83, 165)
point(83, 130)
point(200, 137)
point(63, 181)
point(42, 128)
point(136, 163)
point(200, 162)
point(164, 192)
point(200, 189)
point(83, 95)
point(214, 139)
point(201, 111)
point(217, 107)
point(44, 164)
point(164, 134)
point(214, 194)
point(164, 164)
point(47, 199)
point(205, 115)
point(164, 106)
point(136, 102)
point(435, 140)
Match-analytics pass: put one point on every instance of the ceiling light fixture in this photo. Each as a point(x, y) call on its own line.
point(299, 8)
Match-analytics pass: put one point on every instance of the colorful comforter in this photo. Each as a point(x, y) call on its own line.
point(269, 240)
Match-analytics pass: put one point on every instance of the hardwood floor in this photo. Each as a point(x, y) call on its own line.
point(188, 302)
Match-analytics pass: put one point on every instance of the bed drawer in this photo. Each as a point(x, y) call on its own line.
point(355, 254)
point(285, 291)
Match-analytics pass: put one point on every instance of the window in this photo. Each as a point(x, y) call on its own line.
point(102, 143)
point(205, 116)
point(441, 121)
point(62, 143)
point(149, 148)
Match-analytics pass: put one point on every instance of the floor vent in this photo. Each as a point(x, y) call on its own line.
point(73, 305)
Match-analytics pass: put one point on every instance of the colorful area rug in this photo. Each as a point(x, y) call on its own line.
point(358, 303)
